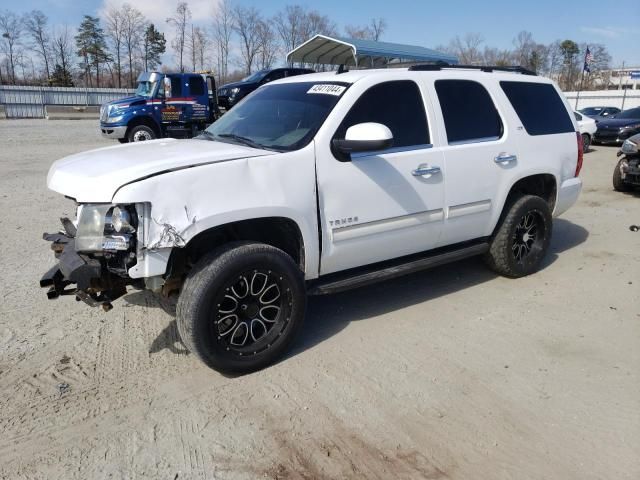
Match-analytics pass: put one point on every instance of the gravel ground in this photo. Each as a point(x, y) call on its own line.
point(451, 373)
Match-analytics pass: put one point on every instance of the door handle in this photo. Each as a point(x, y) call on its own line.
point(425, 169)
point(505, 158)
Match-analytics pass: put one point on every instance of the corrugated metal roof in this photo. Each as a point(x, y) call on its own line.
point(322, 49)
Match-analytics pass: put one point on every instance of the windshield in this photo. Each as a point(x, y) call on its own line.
point(145, 89)
point(255, 77)
point(631, 113)
point(281, 117)
point(591, 110)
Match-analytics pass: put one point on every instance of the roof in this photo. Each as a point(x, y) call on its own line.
point(325, 50)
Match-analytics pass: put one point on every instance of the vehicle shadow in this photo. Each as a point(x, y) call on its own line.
point(328, 315)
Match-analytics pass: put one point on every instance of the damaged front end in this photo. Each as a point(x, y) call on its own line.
point(94, 254)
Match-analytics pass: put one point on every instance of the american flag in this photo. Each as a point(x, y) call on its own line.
point(587, 60)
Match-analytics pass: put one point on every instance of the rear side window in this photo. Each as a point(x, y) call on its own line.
point(196, 86)
point(468, 111)
point(539, 107)
point(398, 105)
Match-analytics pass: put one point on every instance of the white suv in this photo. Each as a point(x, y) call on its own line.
point(315, 184)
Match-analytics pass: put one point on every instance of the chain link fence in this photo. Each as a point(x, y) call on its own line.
point(30, 102)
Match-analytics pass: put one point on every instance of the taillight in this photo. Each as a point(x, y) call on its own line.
point(580, 154)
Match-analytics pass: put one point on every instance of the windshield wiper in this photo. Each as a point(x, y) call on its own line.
point(243, 140)
point(205, 135)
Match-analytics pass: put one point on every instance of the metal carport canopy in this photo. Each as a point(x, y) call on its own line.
point(324, 50)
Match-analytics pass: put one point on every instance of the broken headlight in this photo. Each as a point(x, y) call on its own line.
point(104, 227)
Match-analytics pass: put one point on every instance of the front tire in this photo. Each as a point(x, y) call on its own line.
point(618, 183)
point(141, 133)
point(586, 142)
point(241, 307)
point(522, 237)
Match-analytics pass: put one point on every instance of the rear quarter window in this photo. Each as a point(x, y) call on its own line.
point(539, 107)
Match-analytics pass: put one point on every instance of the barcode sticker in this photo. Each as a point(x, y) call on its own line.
point(327, 89)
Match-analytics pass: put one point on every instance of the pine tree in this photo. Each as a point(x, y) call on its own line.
point(92, 47)
point(154, 46)
point(61, 77)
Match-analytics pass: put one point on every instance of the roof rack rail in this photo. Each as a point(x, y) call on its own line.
point(484, 68)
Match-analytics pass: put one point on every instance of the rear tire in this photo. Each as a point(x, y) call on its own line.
point(618, 182)
point(241, 307)
point(522, 237)
point(141, 133)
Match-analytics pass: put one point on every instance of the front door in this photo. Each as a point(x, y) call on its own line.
point(375, 206)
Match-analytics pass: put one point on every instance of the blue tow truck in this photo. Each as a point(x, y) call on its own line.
point(177, 105)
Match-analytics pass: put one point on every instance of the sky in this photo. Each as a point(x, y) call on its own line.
point(418, 22)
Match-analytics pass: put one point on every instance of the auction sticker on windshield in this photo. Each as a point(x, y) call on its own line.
point(328, 89)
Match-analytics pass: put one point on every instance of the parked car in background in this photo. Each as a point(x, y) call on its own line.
point(587, 127)
point(598, 113)
point(617, 128)
point(232, 93)
point(626, 175)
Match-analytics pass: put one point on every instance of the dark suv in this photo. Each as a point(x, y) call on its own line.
point(232, 93)
point(598, 113)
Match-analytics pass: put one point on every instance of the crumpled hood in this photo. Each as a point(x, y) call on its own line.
point(96, 175)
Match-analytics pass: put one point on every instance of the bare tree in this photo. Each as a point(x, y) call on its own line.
point(467, 48)
point(524, 49)
point(133, 23)
point(378, 26)
point(315, 23)
point(63, 54)
point(196, 47)
point(222, 30)
point(10, 32)
point(36, 25)
point(115, 34)
point(246, 22)
point(291, 25)
point(358, 31)
point(268, 45)
point(180, 21)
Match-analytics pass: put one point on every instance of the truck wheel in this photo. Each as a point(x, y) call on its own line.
point(522, 237)
point(141, 133)
point(241, 306)
point(618, 182)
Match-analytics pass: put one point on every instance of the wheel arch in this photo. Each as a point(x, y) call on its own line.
point(280, 232)
point(543, 185)
point(146, 120)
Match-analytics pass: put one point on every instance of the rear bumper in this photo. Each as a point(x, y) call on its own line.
point(568, 194)
point(115, 132)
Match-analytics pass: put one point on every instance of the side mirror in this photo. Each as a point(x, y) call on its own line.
point(167, 87)
point(364, 137)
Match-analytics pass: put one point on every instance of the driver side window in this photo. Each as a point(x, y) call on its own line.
point(398, 105)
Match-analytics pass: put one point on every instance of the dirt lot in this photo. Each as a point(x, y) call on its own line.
point(453, 373)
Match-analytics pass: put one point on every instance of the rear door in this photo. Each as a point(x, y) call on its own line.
point(480, 155)
point(373, 206)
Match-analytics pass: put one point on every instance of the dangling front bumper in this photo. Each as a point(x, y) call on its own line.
point(84, 276)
